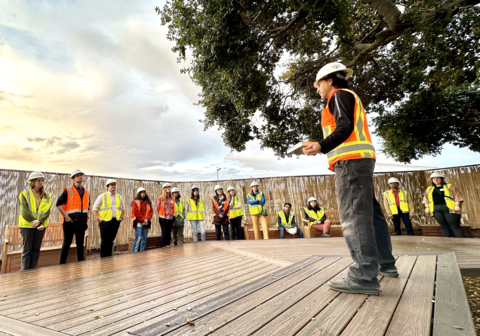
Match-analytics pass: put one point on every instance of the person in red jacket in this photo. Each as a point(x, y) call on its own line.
point(141, 219)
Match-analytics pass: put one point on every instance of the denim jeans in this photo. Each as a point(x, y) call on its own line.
point(194, 223)
point(141, 233)
point(364, 226)
point(282, 232)
point(405, 217)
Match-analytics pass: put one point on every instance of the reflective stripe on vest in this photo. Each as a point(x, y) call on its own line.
point(392, 203)
point(359, 143)
point(448, 198)
point(132, 215)
point(105, 212)
point(234, 213)
point(74, 202)
point(195, 213)
point(317, 215)
point(288, 224)
point(255, 209)
point(179, 209)
point(161, 210)
point(45, 205)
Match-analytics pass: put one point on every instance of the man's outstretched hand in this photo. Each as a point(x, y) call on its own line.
point(311, 148)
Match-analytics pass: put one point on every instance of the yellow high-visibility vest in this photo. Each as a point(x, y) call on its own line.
point(448, 197)
point(318, 215)
point(236, 212)
point(255, 209)
point(179, 208)
point(285, 222)
point(105, 212)
point(45, 205)
point(196, 213)
point(392, 204)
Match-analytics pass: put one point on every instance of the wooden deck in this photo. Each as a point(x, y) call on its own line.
point(237, 288)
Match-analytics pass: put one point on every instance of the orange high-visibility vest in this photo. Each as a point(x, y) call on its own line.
point(74, 202)
point(359, 143)
point(161, 210)
point(132, 216)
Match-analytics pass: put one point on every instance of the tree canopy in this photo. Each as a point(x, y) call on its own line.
point(416, 63)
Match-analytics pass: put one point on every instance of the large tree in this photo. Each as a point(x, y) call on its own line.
point(416, 62)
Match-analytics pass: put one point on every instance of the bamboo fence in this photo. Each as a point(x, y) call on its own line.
point(277, 190)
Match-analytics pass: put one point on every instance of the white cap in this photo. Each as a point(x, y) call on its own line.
point(35, 175)
point(175, 189)
point(437, 174)
point(218, 186)
point(254, 183)
point(139, 190)
point(230, 188)
point(166, 184)
point(312, 199)
point(75, 172)
point(334, 67)
point(109, 181)
point(195, 187)
point(393, 180)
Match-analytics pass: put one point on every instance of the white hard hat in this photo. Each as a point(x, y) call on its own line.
point(75, 172)
point(35, 175)
point(139, 190)
point(254, 183)
point(312, 199)
point(292, 231)
point(110, 181)
point(230, 188)
point(437, 174)
point(393, 180)
point(166, 184)
point(175, 189)
point(218, 186)
point(195, 187)
point(331, 68)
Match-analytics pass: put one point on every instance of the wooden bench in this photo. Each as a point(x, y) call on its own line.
point(335, 229)
point(436, 231)
point(273, 232)
point(49, 255)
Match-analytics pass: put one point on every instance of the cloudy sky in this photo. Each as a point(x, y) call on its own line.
point(94, 85)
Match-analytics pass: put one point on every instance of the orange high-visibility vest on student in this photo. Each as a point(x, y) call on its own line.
point(74, 201)
point(132, 215)
point(161, 209)
point(359, 143)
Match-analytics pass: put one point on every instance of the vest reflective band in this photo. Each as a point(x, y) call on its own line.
point(392, 204)
point(359, 143)
point(317, 215)
point(448, 197)
point(195, 213)
point(179, 209)
point(105, 212)
point(74, 201)
point(255, 209)
point(285, 223)
point(45, 205)
point(235, 212)
point(161, 210)
point(132, 215)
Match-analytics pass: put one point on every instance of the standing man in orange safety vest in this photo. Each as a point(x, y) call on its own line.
point(348, 146)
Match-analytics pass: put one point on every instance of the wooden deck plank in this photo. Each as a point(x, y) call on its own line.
point(15, 328)
point(452, 316)
point(374, 315)
point(414, 311)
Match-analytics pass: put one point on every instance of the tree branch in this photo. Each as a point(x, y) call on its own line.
point(389, 11)
point(281, 30)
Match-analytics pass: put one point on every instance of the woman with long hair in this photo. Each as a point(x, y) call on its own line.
point(235, 214)
point(166, 213)
point(35, 205)
point(196, 214)
point(256, 202)
point(316, 217)
point(220, 207)
point(179, 224)
point(141, 219)
point(443, 201)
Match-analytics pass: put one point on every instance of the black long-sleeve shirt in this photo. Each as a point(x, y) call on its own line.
point(342, 106)
point(79, 216)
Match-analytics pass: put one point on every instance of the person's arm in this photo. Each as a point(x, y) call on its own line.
point(25, 211)
point(342, 106)
point(252, 201)
point(137, 213)
point(387, 206)
point(62, 200)
point(214, 208)
point(307, 217)
point(425, 202)
point(159, 203)
point(44, 217)
point(262, 202)
point(293, 222)
point(411, 209)
point(150, 214)
point(457, 197)
point(239, 206)
point(226, 208)
point(323, 219)
point(183, 212)
point(279, 222)
point(96, 206)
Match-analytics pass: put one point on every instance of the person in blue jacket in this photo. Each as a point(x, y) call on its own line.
point(256, 202)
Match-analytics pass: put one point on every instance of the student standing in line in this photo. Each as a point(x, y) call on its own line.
point(398, 206)
point(74, 205)
point(166, 213)
point(220, 209)
point(256, 202)
point(317, 217)
point(35, 205)
point(235, 214)
point(444, 202)
point(108, 210)
point(141, 219)
point(179, 224)
point(196, 214)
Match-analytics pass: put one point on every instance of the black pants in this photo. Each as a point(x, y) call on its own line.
point(218, 231)
point(447, 221)
point(108, 232)
point(166, 225)
point(32, 242)
point(405, 217)
point(236, 225)
point(78, 229)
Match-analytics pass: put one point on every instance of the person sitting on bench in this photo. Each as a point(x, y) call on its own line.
point(317, 217)
point(286, 221)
